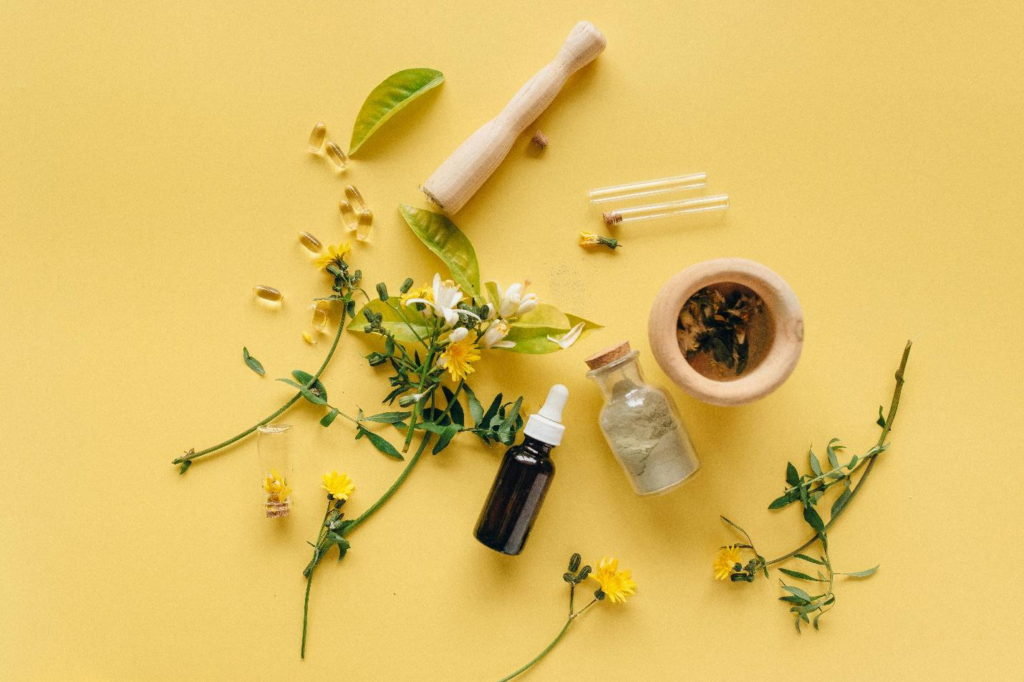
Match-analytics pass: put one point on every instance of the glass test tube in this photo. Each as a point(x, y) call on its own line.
point(718, 202)
point(648, 188)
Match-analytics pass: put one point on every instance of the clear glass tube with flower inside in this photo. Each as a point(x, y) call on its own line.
point(272, 442)
point(641, 424)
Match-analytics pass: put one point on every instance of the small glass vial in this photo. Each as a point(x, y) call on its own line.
point(272, 445)
point(641, 424)
point(321, 315)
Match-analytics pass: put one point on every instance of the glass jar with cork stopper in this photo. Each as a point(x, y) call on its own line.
point(641, 424)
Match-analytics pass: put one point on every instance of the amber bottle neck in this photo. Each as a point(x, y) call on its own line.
point(537, 447)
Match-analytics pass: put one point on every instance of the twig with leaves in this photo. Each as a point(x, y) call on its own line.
point(809, 489)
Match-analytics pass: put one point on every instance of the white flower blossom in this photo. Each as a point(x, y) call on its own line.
point(447, 297)
point(458, 335)
point(515, 301)
point(568, 338)
point(495, 335)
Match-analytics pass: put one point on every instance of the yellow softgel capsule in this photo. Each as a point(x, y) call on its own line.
point(336, 155)
point(349, 217)
point(363, 225)
point(321, 314)
point(267, 293)
point(316, 138)
point(355, 198)
point(308, 338)
point(310, 242)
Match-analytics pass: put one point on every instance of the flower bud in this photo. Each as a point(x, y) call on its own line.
point(574, 562)
point(406, 285)
point(382, 291)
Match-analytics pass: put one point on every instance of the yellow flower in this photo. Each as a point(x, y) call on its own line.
point(614, 583)
point(426, 292)
point(591, 239)
point(726, 562)
point(338, 486)
point(333, 254)
point(458, 356)
point(276, 486)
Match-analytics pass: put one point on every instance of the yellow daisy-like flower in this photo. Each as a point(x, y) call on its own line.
point(338, 486)
point(726, 562)
point(332, 254)
point(458, 357)
point(276, 486)
point(614, 583)
point(426, 292)
point(591, 239)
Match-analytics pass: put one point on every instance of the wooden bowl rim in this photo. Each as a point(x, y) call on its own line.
point(780, 301)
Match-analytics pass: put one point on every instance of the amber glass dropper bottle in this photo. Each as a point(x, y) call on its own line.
point(523, 479)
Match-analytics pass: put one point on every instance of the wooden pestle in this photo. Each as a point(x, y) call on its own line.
point(461, 175)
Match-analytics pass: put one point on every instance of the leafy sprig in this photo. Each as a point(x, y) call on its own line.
point(809, 489)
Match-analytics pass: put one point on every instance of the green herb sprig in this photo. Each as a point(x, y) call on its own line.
point(808, 490)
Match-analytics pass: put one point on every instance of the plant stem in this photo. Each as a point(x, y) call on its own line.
point(230, 441)
point(542, 654)
point(893, 406)
point(309, 576)
point(390, 491)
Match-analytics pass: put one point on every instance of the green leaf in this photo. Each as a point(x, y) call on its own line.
point(404, 330)
point(780, 502)
point(184, 466)
point(447, 241)
point(798, 574)
point(832, 459)
point(445, 437)
point(544, 315)
point(476, 410)
point(811, 559)
point(861, 574)
point(814, 520)
point(792, 477)
point(455, 411)
point(881, 417)
point(306, 393)
point(840, 503)
point(492, 411)
point(379, 443)
point(254, 364)
point(815, 464)
point(329, 418)
point(533, 340)
point(797, 592)
point(388, 417)
point(306, 379)
point(392, 95)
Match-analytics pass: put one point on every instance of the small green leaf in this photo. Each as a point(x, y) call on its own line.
point(798, 574)
point(814, 520)
point(329, 418)
point(306, 393)
point(389, 97)
point(533, 340)
point(832, 459)
point(861, 574)
point(881, 417)
point(447, 241)
point(455, 408)
point(792, 477)
point(388, 417)
point(797, 592)
point(306, 379)
point(380, 443)
point(254, 364)
point(811, 559)
point(476, 410)
point(815, 464)
point(445, 438)
point(492, 411)
point(840, 503)
point(780, 502)
point(184, 466)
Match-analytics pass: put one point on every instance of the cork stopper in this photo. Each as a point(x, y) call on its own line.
point(608, 355)
point(612, 218)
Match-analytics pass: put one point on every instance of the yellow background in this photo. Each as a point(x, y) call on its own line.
point(153, 168)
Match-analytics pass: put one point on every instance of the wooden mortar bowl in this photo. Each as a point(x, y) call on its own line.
point(780, 303)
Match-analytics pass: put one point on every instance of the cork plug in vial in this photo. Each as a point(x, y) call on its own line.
point(641, 424)
point(523, 479)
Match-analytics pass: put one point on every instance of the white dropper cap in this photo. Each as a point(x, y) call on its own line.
point(546, 426)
